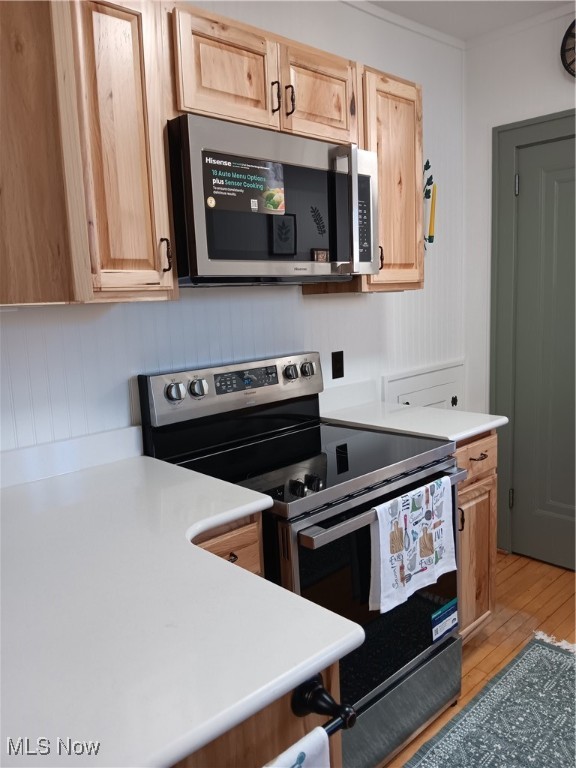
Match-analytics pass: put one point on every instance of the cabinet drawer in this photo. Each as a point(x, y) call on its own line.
point(479, 456)
point(240, 546)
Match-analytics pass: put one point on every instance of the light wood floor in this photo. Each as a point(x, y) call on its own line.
point(530, 596)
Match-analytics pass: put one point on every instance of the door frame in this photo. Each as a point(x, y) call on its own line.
point(506, 141)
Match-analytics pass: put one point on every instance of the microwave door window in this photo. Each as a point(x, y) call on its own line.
point(303, 232)
point(236, 236)
point(307, 198)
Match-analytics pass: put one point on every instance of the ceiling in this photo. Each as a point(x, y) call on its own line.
point(465, 19)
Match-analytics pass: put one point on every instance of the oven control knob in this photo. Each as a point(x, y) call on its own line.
point(314, 483)
point(291, 372)
point(297, 488)
point(307, 369)
point(198, 387)
point(175, 392)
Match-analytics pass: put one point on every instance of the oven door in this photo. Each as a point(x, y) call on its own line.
point(329, 561)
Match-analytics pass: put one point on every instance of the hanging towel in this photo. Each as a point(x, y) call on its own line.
point(312, 751)
point(412, 544)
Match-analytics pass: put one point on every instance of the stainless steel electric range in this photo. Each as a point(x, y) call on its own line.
point(257, 424)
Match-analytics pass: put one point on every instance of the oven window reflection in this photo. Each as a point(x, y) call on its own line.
point(337, 576)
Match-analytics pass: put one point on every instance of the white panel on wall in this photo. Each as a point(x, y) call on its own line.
point(440, 387)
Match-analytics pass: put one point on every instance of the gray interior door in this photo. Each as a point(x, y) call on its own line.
point(533, 330)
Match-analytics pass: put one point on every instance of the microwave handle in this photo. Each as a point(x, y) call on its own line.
point(316, 537)
point(350, 153)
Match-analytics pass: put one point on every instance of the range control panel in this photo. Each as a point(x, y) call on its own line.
point(249, 378)
point(182, 395)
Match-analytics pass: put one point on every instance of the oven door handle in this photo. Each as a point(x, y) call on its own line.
point(316, 536)
point(457, 475)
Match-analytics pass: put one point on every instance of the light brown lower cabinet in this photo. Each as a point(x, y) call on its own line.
point(476, 522)
point(240, 543)
point(268, 733)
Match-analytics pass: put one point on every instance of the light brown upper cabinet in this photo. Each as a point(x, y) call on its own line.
point(319, 97)
point(230, 70)
point(393, 129)
point(121, 125)
point(393, 120)
point(85, 207)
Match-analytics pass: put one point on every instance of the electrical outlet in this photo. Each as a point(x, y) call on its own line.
point(337, 365)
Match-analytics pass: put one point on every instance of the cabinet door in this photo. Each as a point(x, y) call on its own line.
point(318, 94)
point(40, 161)
point(119, 92)
point(478, 457)
point(263, 736)
point(240, 546)
point(393, 125)
point(225, 69)
point(477, 553)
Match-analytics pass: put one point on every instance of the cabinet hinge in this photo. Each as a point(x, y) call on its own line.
point(510, 498)
point(516, 184)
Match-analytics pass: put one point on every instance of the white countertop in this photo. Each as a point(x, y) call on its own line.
point(432, 422)
point(116, 629)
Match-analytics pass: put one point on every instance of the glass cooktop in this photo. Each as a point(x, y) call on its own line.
point(317, 459)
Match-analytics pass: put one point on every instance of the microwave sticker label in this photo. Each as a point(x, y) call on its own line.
point(242, 184)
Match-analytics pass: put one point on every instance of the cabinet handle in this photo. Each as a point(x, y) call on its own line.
point(292, 100)
point(278, 95)
point(381, 257)
point(168, 253)
point(353, 105)
point(462, 519)
point(232, 557)
point(311, 696)
point(481, 457)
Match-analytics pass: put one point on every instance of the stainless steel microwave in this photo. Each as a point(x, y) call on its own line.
point(256, 206)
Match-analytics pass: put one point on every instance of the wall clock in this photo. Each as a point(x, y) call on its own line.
point(567, 50)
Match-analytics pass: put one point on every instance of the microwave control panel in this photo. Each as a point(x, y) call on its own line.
point(364, 219)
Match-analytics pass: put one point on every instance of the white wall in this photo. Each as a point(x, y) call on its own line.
point(514, 75)
point(65, 370)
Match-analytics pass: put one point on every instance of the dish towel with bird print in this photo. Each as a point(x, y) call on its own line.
point(412, 544)
point(312, 751)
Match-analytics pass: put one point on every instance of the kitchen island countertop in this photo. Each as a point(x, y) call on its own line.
point(416, 420)
point(116, 629)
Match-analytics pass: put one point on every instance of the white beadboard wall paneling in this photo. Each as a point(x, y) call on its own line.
point(69, 371)
point(350, 324)
point(18, 389)
point(8, 427)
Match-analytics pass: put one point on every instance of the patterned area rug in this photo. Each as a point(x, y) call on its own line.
point(523, 718)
